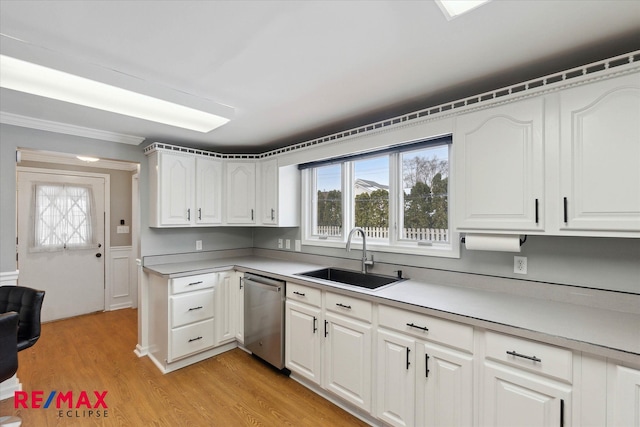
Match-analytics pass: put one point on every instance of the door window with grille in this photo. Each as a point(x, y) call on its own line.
point(63, 217)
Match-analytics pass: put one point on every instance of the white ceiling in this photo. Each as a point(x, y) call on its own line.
point(294, 70)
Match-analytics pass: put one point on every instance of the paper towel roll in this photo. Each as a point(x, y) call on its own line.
point(492, 242)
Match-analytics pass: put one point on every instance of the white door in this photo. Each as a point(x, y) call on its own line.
point(70, 271)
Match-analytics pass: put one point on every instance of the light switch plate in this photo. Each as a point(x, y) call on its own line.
point(287, 244)
point(123, 229)
point(198, 245)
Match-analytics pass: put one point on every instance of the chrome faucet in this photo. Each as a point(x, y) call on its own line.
point(365, 262)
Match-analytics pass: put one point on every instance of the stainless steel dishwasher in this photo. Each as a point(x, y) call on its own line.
point(264, 318)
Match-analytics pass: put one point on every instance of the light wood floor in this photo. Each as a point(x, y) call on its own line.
point(95, 352)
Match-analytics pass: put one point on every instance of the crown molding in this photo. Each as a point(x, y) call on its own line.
point(57, 158)
point(67, 129)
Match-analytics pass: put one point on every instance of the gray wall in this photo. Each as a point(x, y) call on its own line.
point(600, 263)
point(603, 263)
point(152, 241)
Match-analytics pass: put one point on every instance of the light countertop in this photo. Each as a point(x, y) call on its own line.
point(604, 332)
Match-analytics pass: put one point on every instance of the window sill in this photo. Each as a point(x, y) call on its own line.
point(451, 250)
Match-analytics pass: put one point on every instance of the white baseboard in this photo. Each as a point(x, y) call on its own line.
point(9, 387)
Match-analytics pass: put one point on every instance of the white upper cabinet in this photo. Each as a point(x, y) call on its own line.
point(279, 194)
point(600, 156)
point(208, 191)
point(172, 179)
point(241, 192)
point(185, 190)
point(499, 163)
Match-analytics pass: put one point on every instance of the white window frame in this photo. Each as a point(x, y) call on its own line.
point(394, 244)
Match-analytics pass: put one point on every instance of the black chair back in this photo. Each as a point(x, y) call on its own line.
point(27, 302)
point(8, 341)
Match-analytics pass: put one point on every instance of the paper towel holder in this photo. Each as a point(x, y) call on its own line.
point(462, 240)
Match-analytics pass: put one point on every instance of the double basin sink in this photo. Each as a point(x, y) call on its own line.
point(350, 277)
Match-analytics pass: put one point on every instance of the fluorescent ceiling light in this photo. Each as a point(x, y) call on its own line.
point(87, 159)
point(453, 8)
point(42, 81)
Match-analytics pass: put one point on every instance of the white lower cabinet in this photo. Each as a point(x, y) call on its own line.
point(623, 395)
point(190, 318)
point(396, 378)
point(226, 319)
point(347, 359)
point(302, 348)
point(425, 370)
point(525, 383)
point(444, 386)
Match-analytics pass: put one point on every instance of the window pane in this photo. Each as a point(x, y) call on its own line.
point(328, 214)
point(371, 194)
point(425, 177)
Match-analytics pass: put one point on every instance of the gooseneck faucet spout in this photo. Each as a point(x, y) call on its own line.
point(365, 262)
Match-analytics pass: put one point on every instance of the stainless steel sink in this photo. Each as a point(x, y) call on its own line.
point(349, 277)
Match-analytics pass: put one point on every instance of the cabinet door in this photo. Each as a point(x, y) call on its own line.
point(396, 376)
point(176, 189)
point(499, 168)
point(444, 393)
point(241, 193)
point(237, 283)
point(225, 309)
point(269, 192)
point(302, 335)
point(208, 192)
point(623, 396)
point(600, 156)
point(347, 360)
point(517, 398)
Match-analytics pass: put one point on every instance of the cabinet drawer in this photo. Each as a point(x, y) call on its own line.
point(304, 294)
point(552, 361)
point(426, 327)
point(190, 339)
point(193, 283)
point(349, 306)
point(191, 307)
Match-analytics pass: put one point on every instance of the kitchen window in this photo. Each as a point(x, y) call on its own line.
point(398, 195)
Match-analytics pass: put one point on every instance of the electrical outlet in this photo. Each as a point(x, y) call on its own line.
point(287, 243)
point(279, 243)
point(198, 245)
point(298, 245)
point(520, 264)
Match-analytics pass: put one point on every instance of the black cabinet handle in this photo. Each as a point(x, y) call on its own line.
point(537, 214)
point(273, 214)
point(426, 365)
point(408, 363)
point(524, 356)
point(195, 308)
point(199, 213)
point(188, 214)
point(417, 327)
point(566, 213)
point(315, 324)
point(326, 322)
point(195, 339)
point(251, 214)
point(343, 306)
point(561, 412)
point(299, 293)
point(194, 283)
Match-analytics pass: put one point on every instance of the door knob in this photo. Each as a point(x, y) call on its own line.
point(98, 255)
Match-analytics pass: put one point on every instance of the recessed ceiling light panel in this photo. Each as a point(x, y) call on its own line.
point(453, 8)
point(37, 80)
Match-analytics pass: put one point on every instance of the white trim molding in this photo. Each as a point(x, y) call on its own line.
point(67, 129)
point(9, 278)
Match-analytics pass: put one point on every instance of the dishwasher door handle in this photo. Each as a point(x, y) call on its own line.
point(273, 288)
